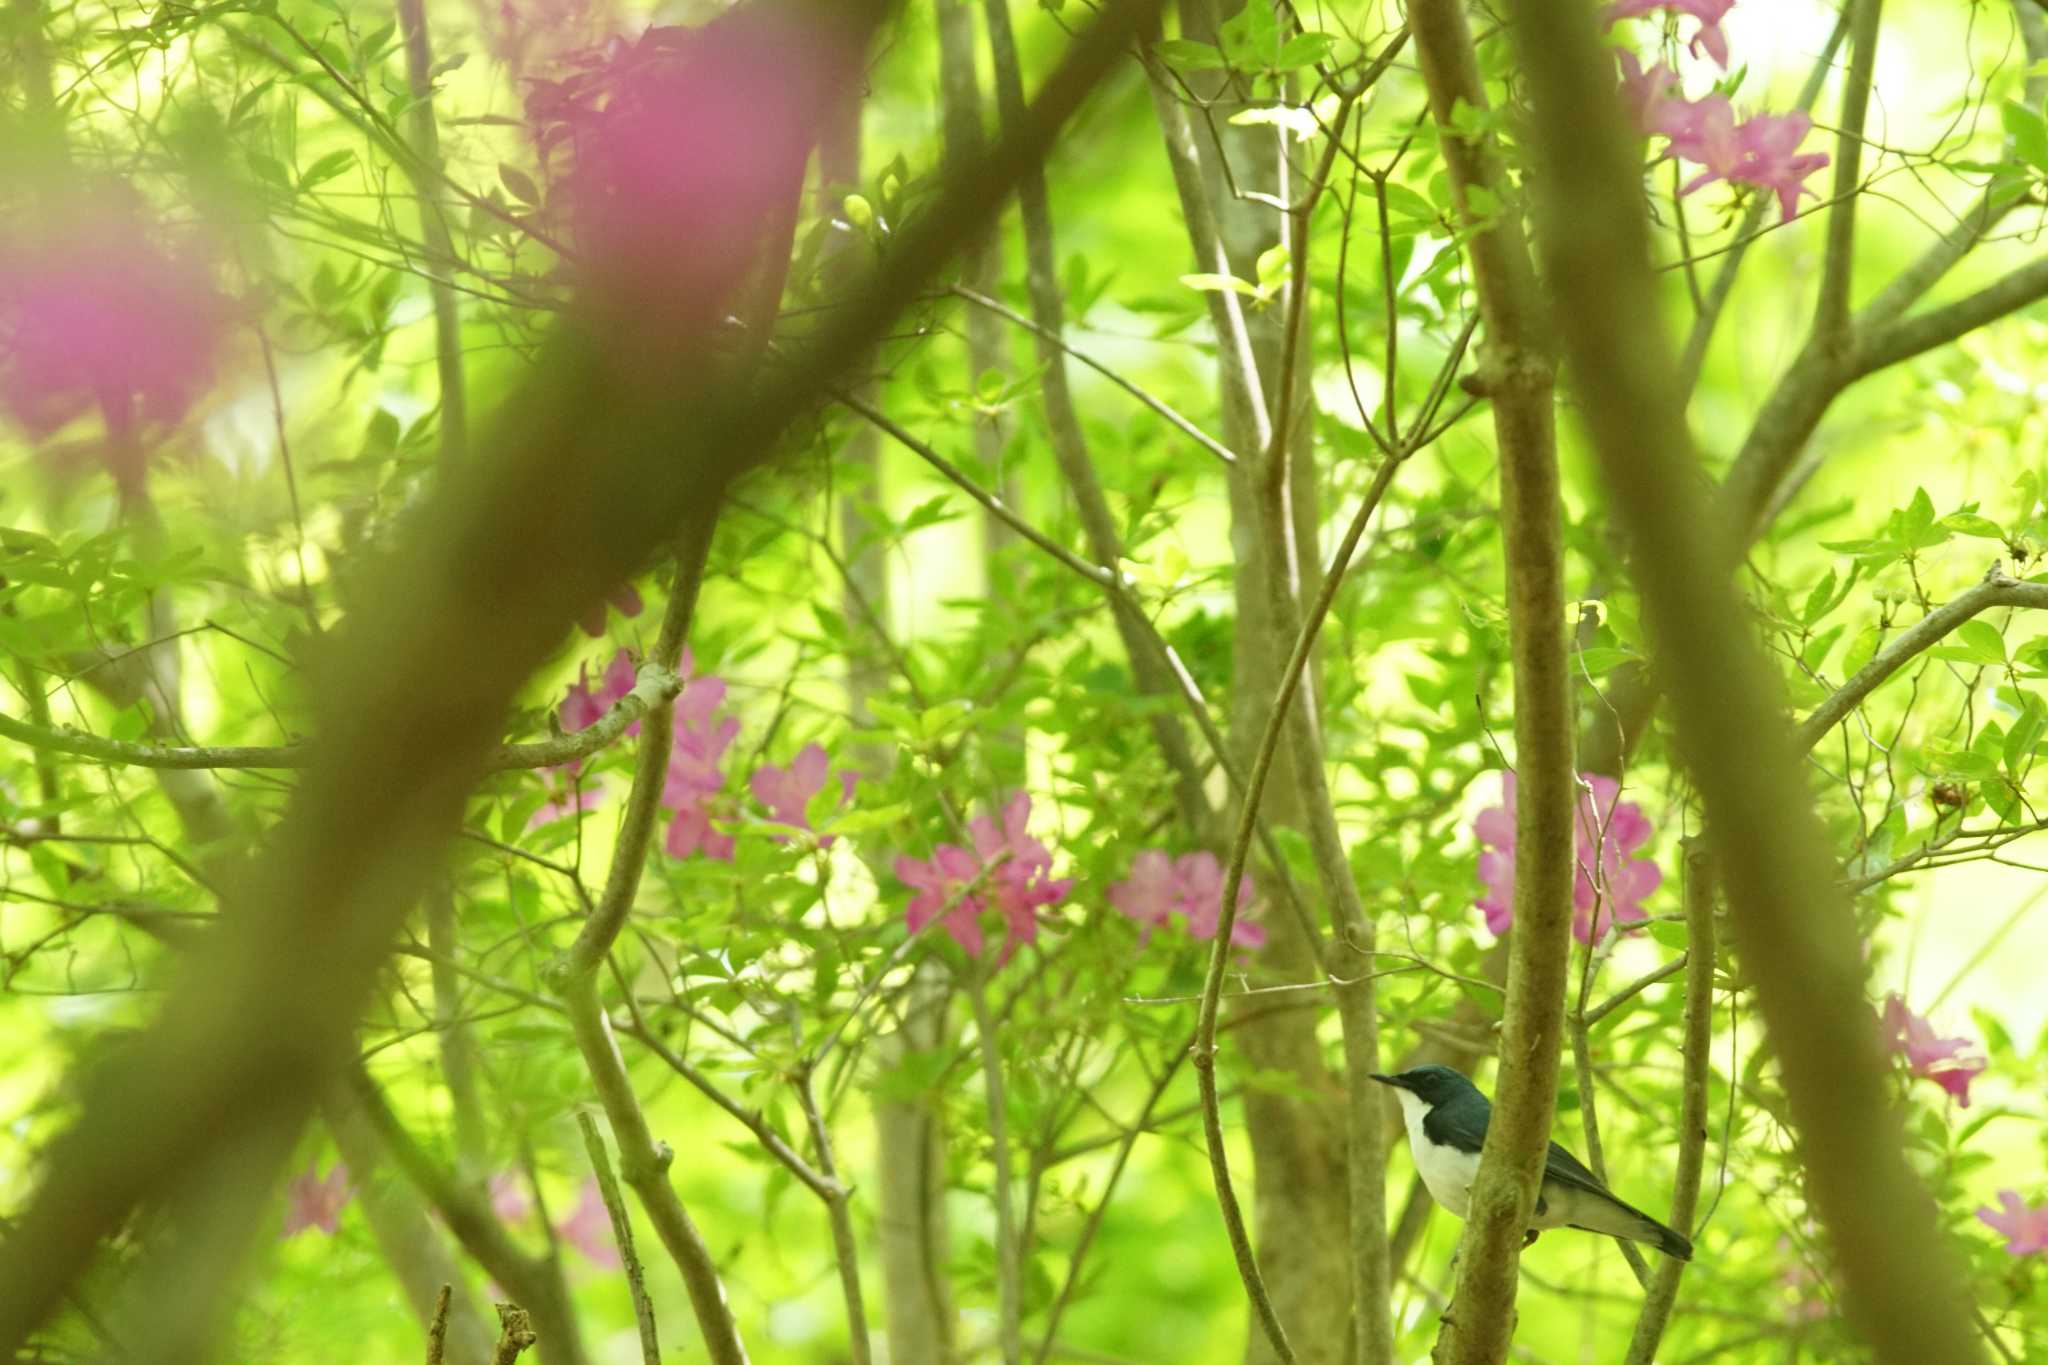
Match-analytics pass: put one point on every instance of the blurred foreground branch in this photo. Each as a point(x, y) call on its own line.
point(593, 467)
point(1904, 1288)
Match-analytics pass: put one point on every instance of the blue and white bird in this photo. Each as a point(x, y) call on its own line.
point(1447, 1117)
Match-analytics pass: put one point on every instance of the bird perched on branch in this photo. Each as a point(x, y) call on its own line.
point(1447, 1117)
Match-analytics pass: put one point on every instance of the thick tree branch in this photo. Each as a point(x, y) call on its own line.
point(1904, 1288)
point(1516, 369)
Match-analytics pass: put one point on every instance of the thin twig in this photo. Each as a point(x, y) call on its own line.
point(622, 1233)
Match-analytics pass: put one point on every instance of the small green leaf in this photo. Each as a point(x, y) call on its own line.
point(1970, 524)
point(1185, 55)
point(1212, 284)
point(2028, 133)
point(1303, 49)
point(519, 184)
point(1292, 117)
point(326, 168)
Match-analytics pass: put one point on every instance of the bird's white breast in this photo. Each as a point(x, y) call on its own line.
point(1446, 1171)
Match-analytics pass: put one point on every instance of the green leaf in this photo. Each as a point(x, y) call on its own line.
point(2028, 133)
point(1303, 49)
point(1819, 600)
point(1212, 284)
point(1970, 524)
point(1292, 117)
point(519, 184)
point(326, 168)
point(1185, 55)
point(1600, 658)
point(1981, 642)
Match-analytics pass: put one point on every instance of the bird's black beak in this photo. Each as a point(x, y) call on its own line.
point(1394, 1081)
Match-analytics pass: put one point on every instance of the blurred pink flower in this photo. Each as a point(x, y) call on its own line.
point(940, 881)
point(1809, 1303)
point(1607, 887)
point(2024, 1228)
point(1709, 12)
point(626, 600)
point(1927, 1056)
point(508, 1196)
point(1014, 869)
point(1646, 93)
point(694, 776)
point(1191, 885)
point(94, 309)
point(787, 792)
point(695, 136)
point(588, 1228)
point(1760, 151)
point(313, 1202)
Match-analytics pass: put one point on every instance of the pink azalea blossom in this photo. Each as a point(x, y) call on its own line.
point(1709, 12)
point(1191, 886)
point(584, 707)
point(694, 777)
point(2024, 1228)
point(787, 792)
point(94, 309)
point(941, 883)
point(1761, 151)
point(313, 1202)
point(1015, 879)
point(588, 1228)
point(1608, 886)
point(1927, 1056)
point(626, 600)
point(1646, 93)
point(695, 136)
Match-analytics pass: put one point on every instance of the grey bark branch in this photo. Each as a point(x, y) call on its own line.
point(1904, 1289)
point(1996, 590)
point(622, 1233)
point(1690, 1157)
point(1516, 368)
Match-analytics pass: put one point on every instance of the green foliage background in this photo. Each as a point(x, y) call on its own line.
point(1004, 671)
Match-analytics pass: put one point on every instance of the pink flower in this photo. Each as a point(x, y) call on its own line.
point(2025, 1229)
point(1709, 12)
point(566, 800)
point(691, 135)
point(1607, 887)
point(313, 1202)
point(1927, 1056)
point(694, 776)
point(1014, 869)
point(940, 882)
point(508, 1197)
point(94, 310)
point(626, 599)
point(588, 1228)
point(1761, 151)
point(1646, 93)
point(787, 792)
point(1192, 886)
point(583, 708)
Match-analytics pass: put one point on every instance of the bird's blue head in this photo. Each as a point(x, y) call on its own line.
point(1432, 1084)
